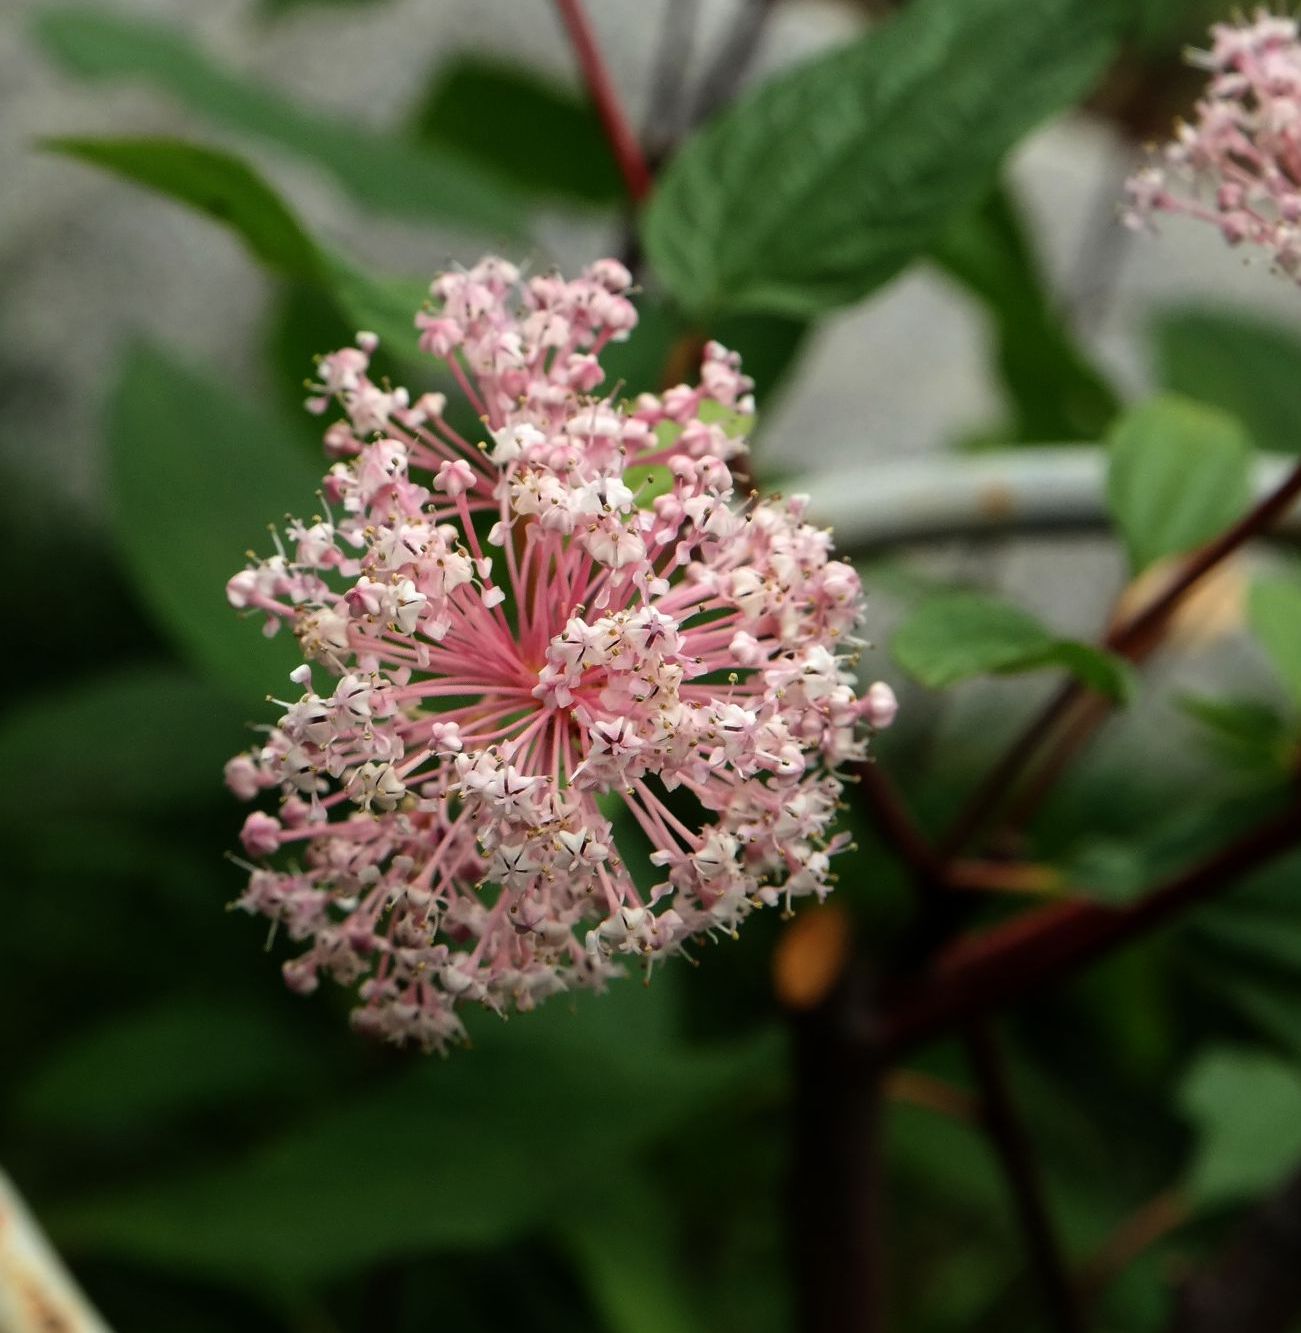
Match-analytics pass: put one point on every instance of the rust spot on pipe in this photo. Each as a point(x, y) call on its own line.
point(996, 501)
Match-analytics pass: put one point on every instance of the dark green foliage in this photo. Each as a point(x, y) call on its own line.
point(823, 183)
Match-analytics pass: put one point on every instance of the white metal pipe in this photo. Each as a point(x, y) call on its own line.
point(979, 495)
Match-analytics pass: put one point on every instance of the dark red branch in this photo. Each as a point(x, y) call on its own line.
point(1135, 638)
point(1131, 637)
point(980, 973)
point(1016, 1156)
point(623, 140)
point(886, 808)
point(836, 1188)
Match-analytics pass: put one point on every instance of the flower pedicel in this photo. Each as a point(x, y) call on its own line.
point(505, 642)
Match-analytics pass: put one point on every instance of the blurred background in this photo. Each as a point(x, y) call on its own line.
point(209, 1152)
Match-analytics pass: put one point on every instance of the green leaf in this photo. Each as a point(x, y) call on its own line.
point(226, 190)
point(1246, 950)
point(152, 739)
point(384, 306)
point(1246, 1107)
point(823, 183)
point(1274, 614)
point(533, 133)
point(959, 635)
point(135, 1071)
point(195, 477)
point(1247, 366)
point(1179, 474)
point(213, 182)
point(625, 1245)
point(379, 170)
point(458, 1153)
point(1246, 732)
point(1055, 393)
point(1108, 870)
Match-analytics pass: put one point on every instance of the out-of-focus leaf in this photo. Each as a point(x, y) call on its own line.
point(770, 346)
point(1107, 869)
point(624, 1243)
point(1270, 1007)
point(1244, 365)
point(824, 182)
point(134, 1071)
point(195, 477)
point(226, 190)
point(216, 184)
point(152, 739)
point(1178, 475)
point(457, 1153)
point(1246, 1107)
point(380, 170)
point(963, 634)
point(664, 350)
point(1055, 393)
point(1246, 949)
point(1162, 27)
point(1247, 732)
point(534, 133)
point(384, 306)
point(1274, 613)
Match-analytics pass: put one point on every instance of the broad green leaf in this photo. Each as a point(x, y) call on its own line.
point(1178, 475)
point(625, 1245)
point(1274, 613)
point(149, 740)
point(1108, 870)
point(1247, 732)
point(958, 635)
point(1055, 394)
point(195, 478)
point(216, 184)
point(1246, 1107)
point(1246, 949)
point(464, 1152)
point(824, 182)
point(1163, 29)
point(770, 348)
point(226, 190)
point(655, 354)
point(1245, 365)
point(380, 170)
point(735, 424)
point(384, 306)
point(132, 1072)
point(535, 134)
point(1269, 1004)
point(648, 483)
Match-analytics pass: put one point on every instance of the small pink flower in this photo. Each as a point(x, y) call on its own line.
point(520, 647)
point(1238, 165)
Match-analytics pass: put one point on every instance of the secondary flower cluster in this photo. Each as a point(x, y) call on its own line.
point(506, 643)
point(1244, 146)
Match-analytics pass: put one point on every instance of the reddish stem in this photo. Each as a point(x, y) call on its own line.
point(1134, 638)
point(618, 129)
point(1011, 1142)
point(980, 973)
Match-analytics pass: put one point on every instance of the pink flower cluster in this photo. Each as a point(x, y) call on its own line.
point(522, 653)
point(1244, 146)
